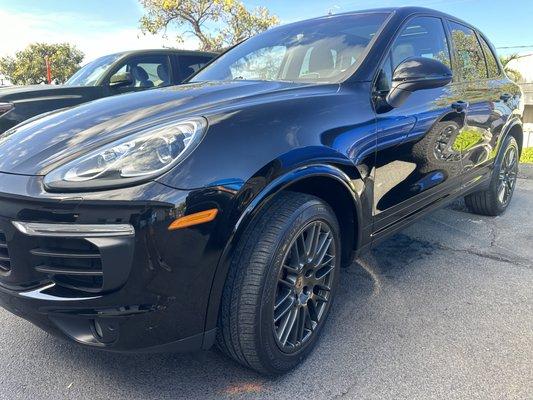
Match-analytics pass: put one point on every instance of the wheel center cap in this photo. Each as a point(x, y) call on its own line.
point(299, 283)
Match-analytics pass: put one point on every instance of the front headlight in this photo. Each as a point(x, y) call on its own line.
point(132, 159)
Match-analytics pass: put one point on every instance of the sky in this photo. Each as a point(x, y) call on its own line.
point(100, 27)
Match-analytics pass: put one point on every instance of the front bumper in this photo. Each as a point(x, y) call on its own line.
point(141, 288)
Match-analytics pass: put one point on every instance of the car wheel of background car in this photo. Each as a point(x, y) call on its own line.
point(435, 150)
point(495, 200)
point(281, 284)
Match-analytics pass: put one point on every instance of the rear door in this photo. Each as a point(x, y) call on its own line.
point(484, 111)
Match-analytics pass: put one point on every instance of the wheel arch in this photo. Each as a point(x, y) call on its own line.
point(324, 180)
point(514, 129)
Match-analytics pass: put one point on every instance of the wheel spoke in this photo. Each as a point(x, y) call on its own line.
point(321, 298)
point(282, 300)
point(288, 326)
point(501, 192)
point(510, 157)
point(283, 311)
point(324, 272)
point(288, 281)
point(323, 251)
point(310, 240)
point(301, 324)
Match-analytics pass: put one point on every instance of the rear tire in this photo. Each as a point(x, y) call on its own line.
point(269, 284)
point(495, 200)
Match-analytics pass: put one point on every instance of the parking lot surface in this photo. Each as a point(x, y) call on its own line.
point(443, 310)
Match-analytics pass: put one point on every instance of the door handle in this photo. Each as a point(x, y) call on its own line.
point(460, 105)
point(506, 97)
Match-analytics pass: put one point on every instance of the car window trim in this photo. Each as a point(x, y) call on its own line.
point(492, 52)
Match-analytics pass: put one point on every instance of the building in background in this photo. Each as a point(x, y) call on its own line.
point(524, 65)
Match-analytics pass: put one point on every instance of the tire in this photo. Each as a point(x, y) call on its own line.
point(490, 201)
point(253, 292)
point(435, 150)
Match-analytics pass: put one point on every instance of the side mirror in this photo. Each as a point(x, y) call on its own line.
point(414, 74)
point(120, 80)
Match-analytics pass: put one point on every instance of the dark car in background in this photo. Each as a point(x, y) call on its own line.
point(106, 76)
point(222, 210)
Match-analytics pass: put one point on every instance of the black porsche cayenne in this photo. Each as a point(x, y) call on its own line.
point(222, 210)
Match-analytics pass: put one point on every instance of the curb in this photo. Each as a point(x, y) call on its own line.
point(525, 171)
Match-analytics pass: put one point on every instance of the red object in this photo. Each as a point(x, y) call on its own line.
point(48, 71)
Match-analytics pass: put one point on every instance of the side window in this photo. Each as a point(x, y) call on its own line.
point(492, 64)
point(470, 59)
point(145, 71)
point(189, 65)
point(420, 37)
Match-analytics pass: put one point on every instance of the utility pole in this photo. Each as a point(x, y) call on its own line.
point(48, 70)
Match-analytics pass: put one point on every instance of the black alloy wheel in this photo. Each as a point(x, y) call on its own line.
point(304, 285)
point(281, 284)
point(507, 175)
point(497, 197)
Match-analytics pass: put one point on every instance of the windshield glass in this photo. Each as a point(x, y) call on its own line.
point(89, 74)
point(320, 50)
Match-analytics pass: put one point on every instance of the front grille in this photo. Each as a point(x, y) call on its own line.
point(5, 261)
point(70, 262)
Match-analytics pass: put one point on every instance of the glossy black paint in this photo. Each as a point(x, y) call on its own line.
point(30, 101)
point(263, 137)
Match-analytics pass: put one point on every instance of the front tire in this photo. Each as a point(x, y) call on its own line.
point(495, 200)
point(281, 283)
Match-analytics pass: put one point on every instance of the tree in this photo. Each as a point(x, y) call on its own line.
point(216, 23)
point(29, 65)
point(512, 73)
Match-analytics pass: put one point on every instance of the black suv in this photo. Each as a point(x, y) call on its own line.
point(222, 210)
point(124, 72)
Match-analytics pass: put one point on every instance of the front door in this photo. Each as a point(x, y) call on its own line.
point(416, 163)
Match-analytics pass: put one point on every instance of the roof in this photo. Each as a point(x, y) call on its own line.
point(401, 12)
point(169, 51)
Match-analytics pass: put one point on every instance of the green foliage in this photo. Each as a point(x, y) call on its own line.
point(511, 73)
point(527, 155)
point(216, 23)
point(472, 61)
point(28, 67)
point(466, 139)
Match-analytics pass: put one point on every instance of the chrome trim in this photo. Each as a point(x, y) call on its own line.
point(74, 230)
point(38, 294)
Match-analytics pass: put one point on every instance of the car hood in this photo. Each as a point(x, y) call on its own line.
point(39, 145)
point(35, 92)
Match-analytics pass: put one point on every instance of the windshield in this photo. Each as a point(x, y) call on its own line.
point(91, 73)
point(321, 50)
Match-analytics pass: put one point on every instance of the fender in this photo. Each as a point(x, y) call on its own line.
point(514, 121)
point(270, 190)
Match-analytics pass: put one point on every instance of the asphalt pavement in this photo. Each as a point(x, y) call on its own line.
point(443, 310)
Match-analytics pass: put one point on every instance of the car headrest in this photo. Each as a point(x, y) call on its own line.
point(139, 73)
point(321, 59)
point(162, 73)
point(402, 52)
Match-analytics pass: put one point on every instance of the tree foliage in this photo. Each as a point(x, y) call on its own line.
point(216, 23)
point(28, 67)
point(512, 73)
